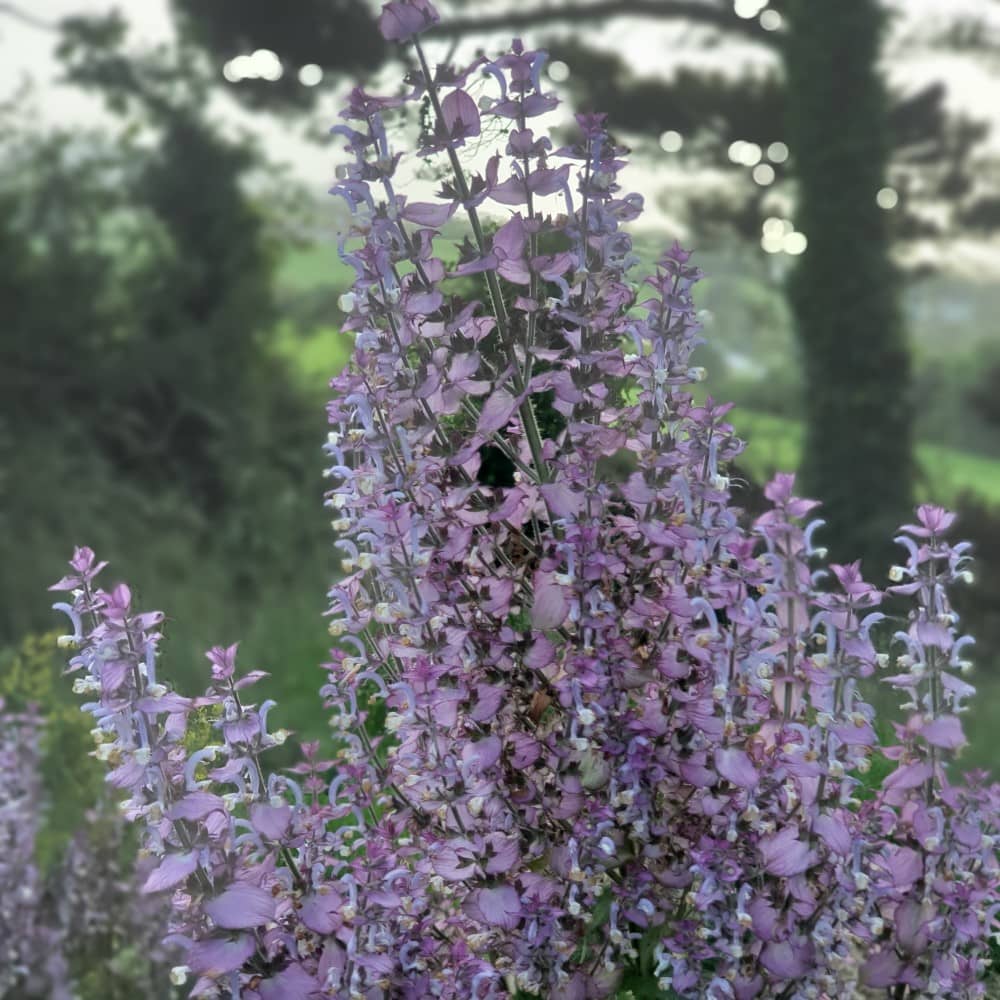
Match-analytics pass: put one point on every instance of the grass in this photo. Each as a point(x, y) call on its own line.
point(775, 443)
point(306, 268)
point(316, 355)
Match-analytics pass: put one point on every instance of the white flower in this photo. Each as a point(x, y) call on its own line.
point(179, 975)
point(586, 716)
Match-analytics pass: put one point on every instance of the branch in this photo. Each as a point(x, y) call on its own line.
point(524, 17)
point(24, 17)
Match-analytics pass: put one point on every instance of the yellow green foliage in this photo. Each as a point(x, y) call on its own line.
point(32, 673)
point(200, 733)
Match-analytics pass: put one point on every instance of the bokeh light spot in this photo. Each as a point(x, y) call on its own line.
point(887, 198)
point(794, 243)
point(774, 227)
point(558, 71)
point(750, 154)
point(777, 152)
point(772, 242)
point(671, 141)
point(748, 8)
point(266, 65)
point(310, 75)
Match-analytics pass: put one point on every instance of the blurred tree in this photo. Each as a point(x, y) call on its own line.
point(335, 35)
point(138, 385)
point(844, 290)
point(852, 344)
point(944, 183)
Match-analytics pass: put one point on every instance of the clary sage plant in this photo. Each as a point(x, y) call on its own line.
point(620, 728)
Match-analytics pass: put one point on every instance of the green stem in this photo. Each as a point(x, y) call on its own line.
point(496, 295)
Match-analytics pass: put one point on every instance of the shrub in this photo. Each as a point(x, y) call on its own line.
point(621, 729)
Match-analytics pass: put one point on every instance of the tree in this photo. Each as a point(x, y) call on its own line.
point(852, 345)
point(844, 290)
point(141, 396)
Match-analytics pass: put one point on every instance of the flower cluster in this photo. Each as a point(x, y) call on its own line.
point(216, 826)
point(55, 924)
point(936, 888)
point(31, 945)
point(622, 726)
point(114, 933)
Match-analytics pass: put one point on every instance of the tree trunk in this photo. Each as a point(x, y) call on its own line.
point(844, 289)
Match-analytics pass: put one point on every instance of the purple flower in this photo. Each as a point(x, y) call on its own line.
point(401, 19)
point(617, 717)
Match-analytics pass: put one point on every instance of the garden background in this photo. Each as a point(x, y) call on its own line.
point(170, 286)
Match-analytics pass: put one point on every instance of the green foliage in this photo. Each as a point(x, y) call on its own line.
point(871, 780)
point(945, 474)
point(31, 674)
point(335, 36)
point(199, 731)
point(154, 416)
